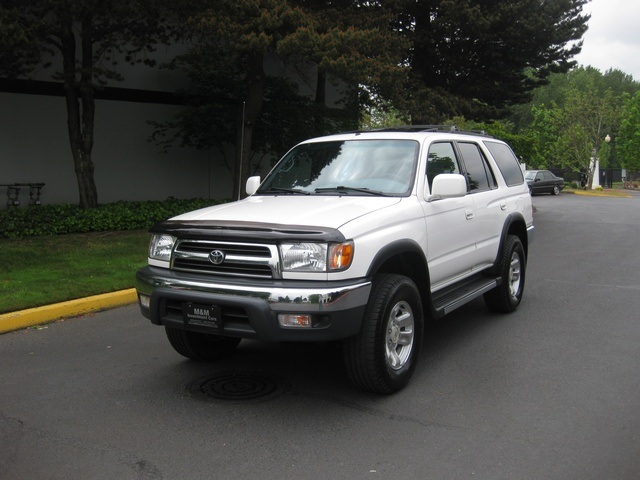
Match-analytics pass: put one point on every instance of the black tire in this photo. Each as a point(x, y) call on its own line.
point(556, 190)
point(383, 356)
point(507, 296)
point(201, 346)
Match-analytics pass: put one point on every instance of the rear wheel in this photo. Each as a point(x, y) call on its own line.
point(383, 356)
point(507, 296)
point(201, 346)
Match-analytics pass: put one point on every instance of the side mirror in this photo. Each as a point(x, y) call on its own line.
point(252, 185)
point(448, 185)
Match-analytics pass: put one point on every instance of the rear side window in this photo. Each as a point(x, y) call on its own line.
point(507, 163)
point(479, 174)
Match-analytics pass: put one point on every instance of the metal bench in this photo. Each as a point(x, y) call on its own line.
point(13, 193)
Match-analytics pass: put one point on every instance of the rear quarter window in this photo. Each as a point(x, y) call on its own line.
point(507, 163)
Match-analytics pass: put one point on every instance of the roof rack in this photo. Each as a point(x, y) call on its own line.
point(431, 128)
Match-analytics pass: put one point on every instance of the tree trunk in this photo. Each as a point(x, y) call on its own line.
point(320, 102)
point(80, 107)
point(247, 117)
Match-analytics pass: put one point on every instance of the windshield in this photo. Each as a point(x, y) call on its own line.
point(354, 167)
point(529, 175)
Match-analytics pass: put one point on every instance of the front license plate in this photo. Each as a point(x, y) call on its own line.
point(202, 315)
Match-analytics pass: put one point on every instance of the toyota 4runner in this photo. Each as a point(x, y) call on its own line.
point(356, 237)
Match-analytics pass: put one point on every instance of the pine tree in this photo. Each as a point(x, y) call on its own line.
point(477, 57)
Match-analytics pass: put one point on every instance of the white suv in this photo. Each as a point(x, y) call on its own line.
point(357, 237)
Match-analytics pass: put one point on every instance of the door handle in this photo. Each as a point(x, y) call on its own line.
point(469, 214)
point(503, 205)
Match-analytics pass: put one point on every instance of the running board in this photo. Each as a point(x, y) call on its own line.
point(450, 298)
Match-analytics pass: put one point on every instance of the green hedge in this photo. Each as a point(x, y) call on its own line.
point(61, 219)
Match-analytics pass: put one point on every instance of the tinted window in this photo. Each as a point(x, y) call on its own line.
point(507, 163)
point(478, 172)
point(441, 159)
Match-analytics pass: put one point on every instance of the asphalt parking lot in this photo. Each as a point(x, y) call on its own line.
point(549, 392)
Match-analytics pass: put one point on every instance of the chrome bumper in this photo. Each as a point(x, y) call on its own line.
point(338, 305)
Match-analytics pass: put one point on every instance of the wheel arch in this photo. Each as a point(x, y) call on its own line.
point(404, 257)
point(515, 224)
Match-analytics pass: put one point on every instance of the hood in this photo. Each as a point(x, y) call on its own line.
point(303, 210)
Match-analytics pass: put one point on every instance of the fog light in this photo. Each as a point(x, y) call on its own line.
point(294, 320)
point(145, 300)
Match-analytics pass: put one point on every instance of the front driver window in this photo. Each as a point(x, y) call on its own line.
point(441, 159)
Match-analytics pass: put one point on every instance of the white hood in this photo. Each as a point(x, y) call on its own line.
point(304, 210)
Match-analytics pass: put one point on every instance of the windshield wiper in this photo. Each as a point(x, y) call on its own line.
point(292, 191)
point(343, 189)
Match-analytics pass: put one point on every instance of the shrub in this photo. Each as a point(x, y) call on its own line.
point(62, 219)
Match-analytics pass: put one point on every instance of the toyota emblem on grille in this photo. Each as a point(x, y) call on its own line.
point(216, 257)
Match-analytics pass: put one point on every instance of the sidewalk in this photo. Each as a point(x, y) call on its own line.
point(72, 308)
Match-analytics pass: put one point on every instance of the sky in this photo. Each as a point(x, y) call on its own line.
point(613, 38)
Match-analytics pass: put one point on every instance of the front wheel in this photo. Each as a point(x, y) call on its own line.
point(382, 357)
point(201, 346)
point(507, 296)
point(556, 190)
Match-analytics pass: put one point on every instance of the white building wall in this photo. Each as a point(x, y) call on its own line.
point(34, 147)
point(34, 142)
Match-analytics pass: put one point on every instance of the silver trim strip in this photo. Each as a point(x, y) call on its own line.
point(281, 299)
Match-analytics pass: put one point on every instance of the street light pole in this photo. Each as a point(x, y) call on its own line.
point(595, 180)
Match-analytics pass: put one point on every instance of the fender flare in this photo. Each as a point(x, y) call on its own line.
point(517, 220)
point(395, 249)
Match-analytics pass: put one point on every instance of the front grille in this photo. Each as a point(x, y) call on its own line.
point(240, 259)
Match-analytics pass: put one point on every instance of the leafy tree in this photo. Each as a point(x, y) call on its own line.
point(476, 58)
point(89, 38)
point(18, 50)
point(382, 115)
point(233, 41)
point(230, 40)
point(554, 94)
point(588, 117)
point(544, 132)
point(628, 139)
point(521, 143)
point(568, 119)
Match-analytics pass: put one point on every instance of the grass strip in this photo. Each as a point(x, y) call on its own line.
point(36, 271)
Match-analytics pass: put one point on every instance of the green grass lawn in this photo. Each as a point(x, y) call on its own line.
point(37, 271)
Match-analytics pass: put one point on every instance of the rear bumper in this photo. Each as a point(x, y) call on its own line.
point(250, 308)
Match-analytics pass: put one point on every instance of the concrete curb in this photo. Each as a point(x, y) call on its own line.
point(595, 193)
point(72, 308)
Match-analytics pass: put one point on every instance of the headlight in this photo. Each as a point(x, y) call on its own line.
point(316, 257)
point(160, 247)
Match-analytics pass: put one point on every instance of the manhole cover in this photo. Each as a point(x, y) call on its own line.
point(240, 386)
